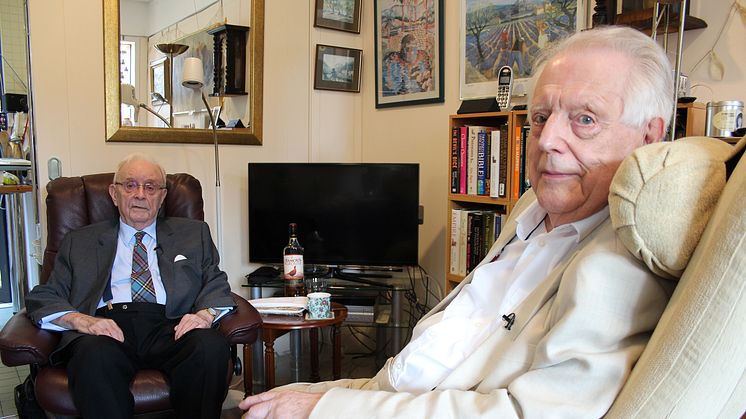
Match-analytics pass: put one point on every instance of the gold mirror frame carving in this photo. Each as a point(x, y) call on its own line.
point(117, 133)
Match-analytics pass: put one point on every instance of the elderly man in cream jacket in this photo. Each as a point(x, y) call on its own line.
point(553, 319)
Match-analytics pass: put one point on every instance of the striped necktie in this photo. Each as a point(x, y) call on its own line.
point(143, 290)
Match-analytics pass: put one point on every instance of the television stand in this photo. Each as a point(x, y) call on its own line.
point(359, 277)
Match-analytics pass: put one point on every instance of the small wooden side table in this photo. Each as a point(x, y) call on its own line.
point(274, 326)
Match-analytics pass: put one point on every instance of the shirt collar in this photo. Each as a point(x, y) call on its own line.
point(127, 232)
point(535, 214)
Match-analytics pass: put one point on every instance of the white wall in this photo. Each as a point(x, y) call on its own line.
point(300, 123)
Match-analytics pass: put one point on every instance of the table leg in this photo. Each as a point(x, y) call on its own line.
point(295, 351)
point(314, 334)
point(337, 356)
point(396, 317)
point(248, 371)
point(269, 363)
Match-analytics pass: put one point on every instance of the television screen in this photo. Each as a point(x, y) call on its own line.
point(347, 214)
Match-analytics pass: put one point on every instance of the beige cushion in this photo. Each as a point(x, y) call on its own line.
point(662, 196)
point(694, 365)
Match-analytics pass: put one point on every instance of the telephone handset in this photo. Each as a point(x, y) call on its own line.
point(504, 87)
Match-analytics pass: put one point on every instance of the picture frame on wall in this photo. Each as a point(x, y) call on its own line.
point(341, 15)
point(337, 68)
point(160, 80)
point(494, 34)
point(408, 53)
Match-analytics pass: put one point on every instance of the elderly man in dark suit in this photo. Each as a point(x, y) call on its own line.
point(138, 292)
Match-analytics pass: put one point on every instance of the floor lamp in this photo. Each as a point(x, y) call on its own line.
point(193, 78)
point(172, 50)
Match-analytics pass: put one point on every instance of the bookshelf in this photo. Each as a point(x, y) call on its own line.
point(691, 121)
point(472, 201)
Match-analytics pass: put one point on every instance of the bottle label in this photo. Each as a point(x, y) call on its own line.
point(293, 267)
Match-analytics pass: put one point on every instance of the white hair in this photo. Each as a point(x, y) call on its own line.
point(649, 86)
point(140, 157)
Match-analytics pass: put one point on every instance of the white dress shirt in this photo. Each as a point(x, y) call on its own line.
point(444, 340)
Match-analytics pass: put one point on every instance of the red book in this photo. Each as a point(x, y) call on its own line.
point(462, 159)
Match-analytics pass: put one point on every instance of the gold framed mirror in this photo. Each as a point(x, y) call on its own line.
point(115, 132)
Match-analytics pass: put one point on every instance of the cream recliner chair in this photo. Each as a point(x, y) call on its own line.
point(681, 208)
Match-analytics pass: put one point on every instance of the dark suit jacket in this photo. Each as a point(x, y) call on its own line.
point(84, 261)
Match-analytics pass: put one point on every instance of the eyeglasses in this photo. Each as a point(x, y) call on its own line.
point(131, 187)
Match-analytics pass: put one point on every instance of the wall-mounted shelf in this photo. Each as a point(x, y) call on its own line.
point(642, 20)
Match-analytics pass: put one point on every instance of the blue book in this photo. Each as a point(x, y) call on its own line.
point(481, 162)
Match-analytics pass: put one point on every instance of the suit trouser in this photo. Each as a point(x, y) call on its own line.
point(100, 369)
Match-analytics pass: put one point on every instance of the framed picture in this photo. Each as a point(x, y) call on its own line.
point(337, 68)
point(409, 52)
point(342, 15)
point(160, 81)
point(494, 33)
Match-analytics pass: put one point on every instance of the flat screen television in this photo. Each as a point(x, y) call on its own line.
point(347, 214)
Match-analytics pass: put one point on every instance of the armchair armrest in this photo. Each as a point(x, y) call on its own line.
point(241, 326)
point(22, 343)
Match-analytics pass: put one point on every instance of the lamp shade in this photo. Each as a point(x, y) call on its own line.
point(194, 73)
point(128, 95)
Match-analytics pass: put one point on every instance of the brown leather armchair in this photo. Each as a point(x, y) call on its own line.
point(78, 201)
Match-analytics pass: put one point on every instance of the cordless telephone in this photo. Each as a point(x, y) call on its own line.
point(504, 87)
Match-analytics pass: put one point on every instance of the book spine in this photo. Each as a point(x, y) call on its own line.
point(455, 234)
point(462, 242)
point(516, 163)
point(487, 165)
point(488, 231)
point(481, 162)
point(474, 241)
point(471, 166)
point(463, 163)
point(524, 140)
point(454, 160)
point(503, 193)
point(495, 163)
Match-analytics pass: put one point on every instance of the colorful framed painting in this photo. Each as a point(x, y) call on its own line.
point(342, 15)
point(495, 33)
point(337, 68)
point(409, 52)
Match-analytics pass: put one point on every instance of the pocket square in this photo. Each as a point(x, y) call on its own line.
point(179, 257)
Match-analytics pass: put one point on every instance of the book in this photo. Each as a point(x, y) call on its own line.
point(516, 163)
point(474, 240)
point(503, 176)
point(522, 167)
point(455, 160)
point(494, 164)
point(462, 242)
point(488, 231)
point(463, 147)
point(481, 162)
point(454, 244)
point(472, 157)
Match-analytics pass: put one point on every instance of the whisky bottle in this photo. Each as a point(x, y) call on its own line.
point(293, 257)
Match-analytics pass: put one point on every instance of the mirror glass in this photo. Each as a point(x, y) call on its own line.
point(149, 49)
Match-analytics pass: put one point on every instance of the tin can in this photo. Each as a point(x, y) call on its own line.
point(722, 118)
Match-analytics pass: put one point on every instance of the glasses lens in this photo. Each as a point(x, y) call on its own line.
point(132, 187)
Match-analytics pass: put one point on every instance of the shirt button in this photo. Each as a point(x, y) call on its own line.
point(542, 242)
point(124, 307)
point(397, 365)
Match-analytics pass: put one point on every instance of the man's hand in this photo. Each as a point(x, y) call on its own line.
point(200, 320)
point(279, 405)
point(84, 323)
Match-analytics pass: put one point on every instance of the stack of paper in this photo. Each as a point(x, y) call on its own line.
point(291, 306)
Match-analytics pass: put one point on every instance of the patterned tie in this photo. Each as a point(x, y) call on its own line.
point(143, 290)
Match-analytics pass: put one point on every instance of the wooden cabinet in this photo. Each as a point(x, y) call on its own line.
point(690, 119)
point(513, 120)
